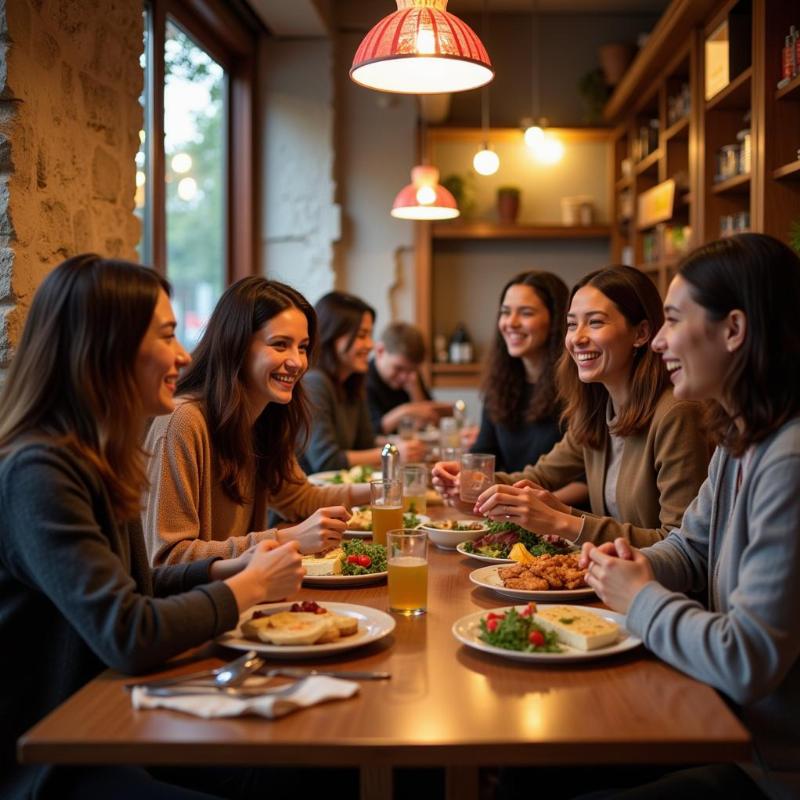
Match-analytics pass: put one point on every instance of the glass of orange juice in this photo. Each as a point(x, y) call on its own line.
point(386, 503)
point(415, 488)
point(407, 557)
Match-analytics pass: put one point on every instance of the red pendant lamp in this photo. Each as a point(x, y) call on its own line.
point(424, 198)
point(421, 49)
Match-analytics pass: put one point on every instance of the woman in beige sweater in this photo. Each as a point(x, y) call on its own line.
point(225, 456)
point(643, 452)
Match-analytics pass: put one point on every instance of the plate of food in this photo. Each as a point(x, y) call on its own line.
point(353, 563)
point(308, 629)
point(495, 546)
point(337, 477)
point(546, 633)
point(359, 526)
point(446, 534)
point(545, 578)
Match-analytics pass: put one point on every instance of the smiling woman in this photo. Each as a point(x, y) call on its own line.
point(225, 456)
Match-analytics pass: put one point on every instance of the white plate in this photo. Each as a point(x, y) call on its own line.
point(337, 581)
point(372, 626)
point(488, 578)
point(446, 539)
point(467, 631)
point(326, 478)
point(479, 557)
point(348, 534)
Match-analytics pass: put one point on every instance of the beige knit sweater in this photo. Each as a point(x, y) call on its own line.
point(187, 515)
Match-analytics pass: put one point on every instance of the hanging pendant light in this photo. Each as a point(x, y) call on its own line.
point(424, 198)
point(485, 161)
point(421, 49)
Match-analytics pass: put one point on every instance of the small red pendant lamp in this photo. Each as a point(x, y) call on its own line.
point(424, 198)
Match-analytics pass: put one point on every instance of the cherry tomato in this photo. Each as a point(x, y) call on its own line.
point(353, 559)
point(364, 561)
point(536, 638)
point(492, 615)
point(492, 623)
point(527, 611)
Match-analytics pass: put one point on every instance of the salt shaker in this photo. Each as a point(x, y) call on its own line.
point(390, 462)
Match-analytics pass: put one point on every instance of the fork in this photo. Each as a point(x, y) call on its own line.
point(229, 675)
point(194, 690)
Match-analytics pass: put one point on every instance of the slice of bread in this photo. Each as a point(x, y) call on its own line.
point(346, 626)
point(577, 627)
point(288, 628)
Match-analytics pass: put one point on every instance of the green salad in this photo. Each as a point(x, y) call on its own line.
point(353, 475)
point(515, 630)
point(502, 536)
point(363, 558)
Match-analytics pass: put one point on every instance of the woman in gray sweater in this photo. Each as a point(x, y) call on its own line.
point(97, 357)
point(731, 337)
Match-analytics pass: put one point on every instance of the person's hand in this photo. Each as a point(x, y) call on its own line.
point(272, 573)
point(548, 498)
point(411, 450)
point(520, 506)
point(226, 567)
point(587, 547)
point(321, 531)
point(618, 576)
point(446, 479)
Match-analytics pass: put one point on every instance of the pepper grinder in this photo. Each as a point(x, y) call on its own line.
point(390, 462)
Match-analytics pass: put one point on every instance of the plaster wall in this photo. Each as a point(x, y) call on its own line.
point(69, 121)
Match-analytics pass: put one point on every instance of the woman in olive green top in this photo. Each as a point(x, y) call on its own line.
point(643, 452)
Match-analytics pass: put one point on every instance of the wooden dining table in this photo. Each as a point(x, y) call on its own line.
point(445, 705)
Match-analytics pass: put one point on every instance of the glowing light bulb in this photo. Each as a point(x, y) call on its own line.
point(187, 188)
point(426, 42)
point(550, 151)
point(181, 162)
point(533, 136)
point(426, 195)
point(486, 162)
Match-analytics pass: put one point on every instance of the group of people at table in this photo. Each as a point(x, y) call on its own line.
point(136, 481)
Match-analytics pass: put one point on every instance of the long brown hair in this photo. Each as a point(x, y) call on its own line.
point(504, 381)
point(216, 379)
point(72, 379)
point(637, 299)
point(760, 276)
point(340, 314)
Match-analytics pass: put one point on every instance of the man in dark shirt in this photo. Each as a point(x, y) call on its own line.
point(395, 389)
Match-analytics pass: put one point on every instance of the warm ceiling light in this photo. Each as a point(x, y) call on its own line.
point(421, 49)
point(486, 161)
point(424, 198)
point(534, 135)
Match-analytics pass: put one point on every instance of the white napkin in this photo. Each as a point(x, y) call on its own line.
point(309, 692)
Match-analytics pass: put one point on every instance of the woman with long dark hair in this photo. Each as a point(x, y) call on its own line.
point(98, 355)
point(520, 419)
point(730, 338)
point(225, 456)
point(341, 434)
point(643, 452)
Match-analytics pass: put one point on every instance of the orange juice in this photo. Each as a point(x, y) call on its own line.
point(408, 584)
point(385, 518)
point(415, 503)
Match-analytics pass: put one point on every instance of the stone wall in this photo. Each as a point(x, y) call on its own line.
point(69, 123)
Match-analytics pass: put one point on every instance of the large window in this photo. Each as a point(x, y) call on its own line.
point(194, 190)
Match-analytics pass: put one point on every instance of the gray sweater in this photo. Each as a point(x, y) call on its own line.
point(76, 587)
point(744, 553)
point(337, 425)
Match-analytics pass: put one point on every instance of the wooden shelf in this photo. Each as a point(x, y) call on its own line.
point(678, 130)
point(498, 230)
point(738, 184)
point(788, 171)
point(789, 92)
point(456, 369)
point(653, 267)
point(648, 162)
point(623, 183)
point(735, 95)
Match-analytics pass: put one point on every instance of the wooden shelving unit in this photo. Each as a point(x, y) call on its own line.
point(494, 230)
point(767, 198)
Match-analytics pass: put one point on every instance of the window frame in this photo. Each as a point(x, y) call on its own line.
point(216, 28)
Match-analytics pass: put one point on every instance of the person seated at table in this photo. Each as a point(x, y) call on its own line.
point(519, 421)
point(643, 452)
point(395, 389)
point(98, 355)
point(342, 435)
point(225, 456)
point(731, 337)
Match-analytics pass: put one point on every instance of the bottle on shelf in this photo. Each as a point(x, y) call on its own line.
point(460, 347)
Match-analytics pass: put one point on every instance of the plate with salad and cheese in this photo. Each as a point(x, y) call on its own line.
point(496, 545)
point(353, 563)
point(546, 633)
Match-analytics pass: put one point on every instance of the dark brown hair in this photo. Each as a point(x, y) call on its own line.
point(72, 380)
point(404, 339)
point(216, 379)
point(760, 276)
point(504, 382)
point(340, 314)
point(637, 299)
